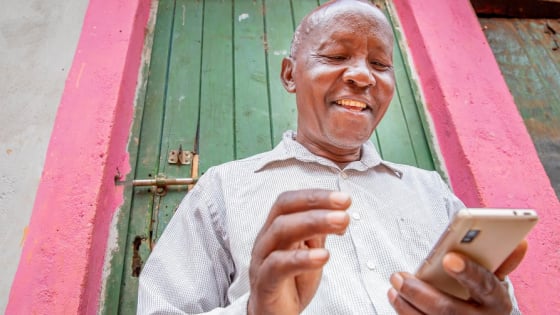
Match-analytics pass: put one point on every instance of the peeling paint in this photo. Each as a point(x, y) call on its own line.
point(24, 236)
point(80, 75)
point(243, 16)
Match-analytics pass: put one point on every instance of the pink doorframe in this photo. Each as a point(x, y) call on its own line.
point(60, 268)
point(485, 146)
point(489, 155)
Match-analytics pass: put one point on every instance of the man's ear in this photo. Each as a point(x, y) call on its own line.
point(287, 74)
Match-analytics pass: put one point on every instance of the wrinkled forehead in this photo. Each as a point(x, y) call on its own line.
point(343, 18)
point(362, 17)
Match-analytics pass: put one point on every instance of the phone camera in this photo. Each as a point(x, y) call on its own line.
point(470, 236)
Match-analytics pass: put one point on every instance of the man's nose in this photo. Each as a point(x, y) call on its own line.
point(359, 74)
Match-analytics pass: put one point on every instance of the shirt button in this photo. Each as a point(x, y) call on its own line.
point(343, 175)
point(356, 216)
point(370, 264)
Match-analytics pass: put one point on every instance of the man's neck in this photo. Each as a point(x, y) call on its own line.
point(341, 157)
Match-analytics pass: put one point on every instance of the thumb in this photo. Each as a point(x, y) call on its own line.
point(513, 260)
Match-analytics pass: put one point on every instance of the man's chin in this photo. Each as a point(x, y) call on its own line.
point(348, 141)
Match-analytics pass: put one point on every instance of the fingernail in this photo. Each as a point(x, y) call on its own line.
point(339, 198)
point(337, 218)
point(454, 262)
point(392, 294)
point(318, 254)
point(396, 281)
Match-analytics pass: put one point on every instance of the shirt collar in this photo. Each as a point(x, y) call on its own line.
point(289, 148)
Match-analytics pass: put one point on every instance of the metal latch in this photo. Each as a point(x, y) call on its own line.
point(180, 156)
point(161, 183)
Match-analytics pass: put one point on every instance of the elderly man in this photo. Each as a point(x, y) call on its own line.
point(320, 224)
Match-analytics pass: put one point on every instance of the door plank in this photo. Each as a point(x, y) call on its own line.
point(138, 244)
point(417, 135)
point(181, 105)
point(217, 134)
point(393, 136)
point(252, 117)
point(517, 68)
point(279, 30)
point(541, 49)
point(300, 8)
point(524, 50)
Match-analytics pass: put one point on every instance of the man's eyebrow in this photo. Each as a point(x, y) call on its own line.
point(333, 40)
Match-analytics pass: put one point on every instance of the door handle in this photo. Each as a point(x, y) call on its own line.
point(161, 183)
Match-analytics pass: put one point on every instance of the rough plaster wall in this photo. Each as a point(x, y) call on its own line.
point(37, 43)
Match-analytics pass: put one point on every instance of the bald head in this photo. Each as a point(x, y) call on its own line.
point(341, 71)
point(328, 13)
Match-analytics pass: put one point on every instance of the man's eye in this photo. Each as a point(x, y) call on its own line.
point(336, 57)
point(380, 66)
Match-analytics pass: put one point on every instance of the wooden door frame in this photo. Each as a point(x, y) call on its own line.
point(486, 150)
point(531, 9)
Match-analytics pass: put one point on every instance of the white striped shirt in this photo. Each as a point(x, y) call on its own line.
point(200, 263)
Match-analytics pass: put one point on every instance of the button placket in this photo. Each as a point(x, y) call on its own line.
point(368, 263)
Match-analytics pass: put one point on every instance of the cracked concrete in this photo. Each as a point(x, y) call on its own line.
point(38, 40)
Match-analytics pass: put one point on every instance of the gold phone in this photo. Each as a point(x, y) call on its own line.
point(487, 236)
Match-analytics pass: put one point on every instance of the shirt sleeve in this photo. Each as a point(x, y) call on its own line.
point(190, 269)
point(452, 202)
point(515, 307)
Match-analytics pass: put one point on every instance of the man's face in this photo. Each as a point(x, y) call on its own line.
point(343, 77)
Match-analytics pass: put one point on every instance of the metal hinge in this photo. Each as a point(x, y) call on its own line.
point(180, 156)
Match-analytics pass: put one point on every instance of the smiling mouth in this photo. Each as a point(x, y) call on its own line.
point(352, 104)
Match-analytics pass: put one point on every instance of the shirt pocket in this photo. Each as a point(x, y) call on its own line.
point(417, 240)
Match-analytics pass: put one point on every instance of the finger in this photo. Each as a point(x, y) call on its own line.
point(512, 261)
point(301, 200)
point(400, 304)
point(425, 298)
point(483, 286)
point(287, 230)
point(283, 265)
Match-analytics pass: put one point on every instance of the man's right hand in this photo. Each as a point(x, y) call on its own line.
point(289, 252)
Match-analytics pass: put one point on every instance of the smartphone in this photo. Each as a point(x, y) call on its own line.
point(487, 236)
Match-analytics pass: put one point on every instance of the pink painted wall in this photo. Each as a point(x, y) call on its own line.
point(62, 259)
point(488, 153)
point(486, 148)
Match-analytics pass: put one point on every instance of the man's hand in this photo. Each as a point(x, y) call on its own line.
point(289, 251)
point(410, 295)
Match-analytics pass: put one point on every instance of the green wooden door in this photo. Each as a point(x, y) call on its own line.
point(528, 53)
point(213, 88)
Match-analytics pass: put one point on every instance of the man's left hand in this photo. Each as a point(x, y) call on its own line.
point(411, 295)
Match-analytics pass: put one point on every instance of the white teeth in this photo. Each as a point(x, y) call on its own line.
point(351, 103)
